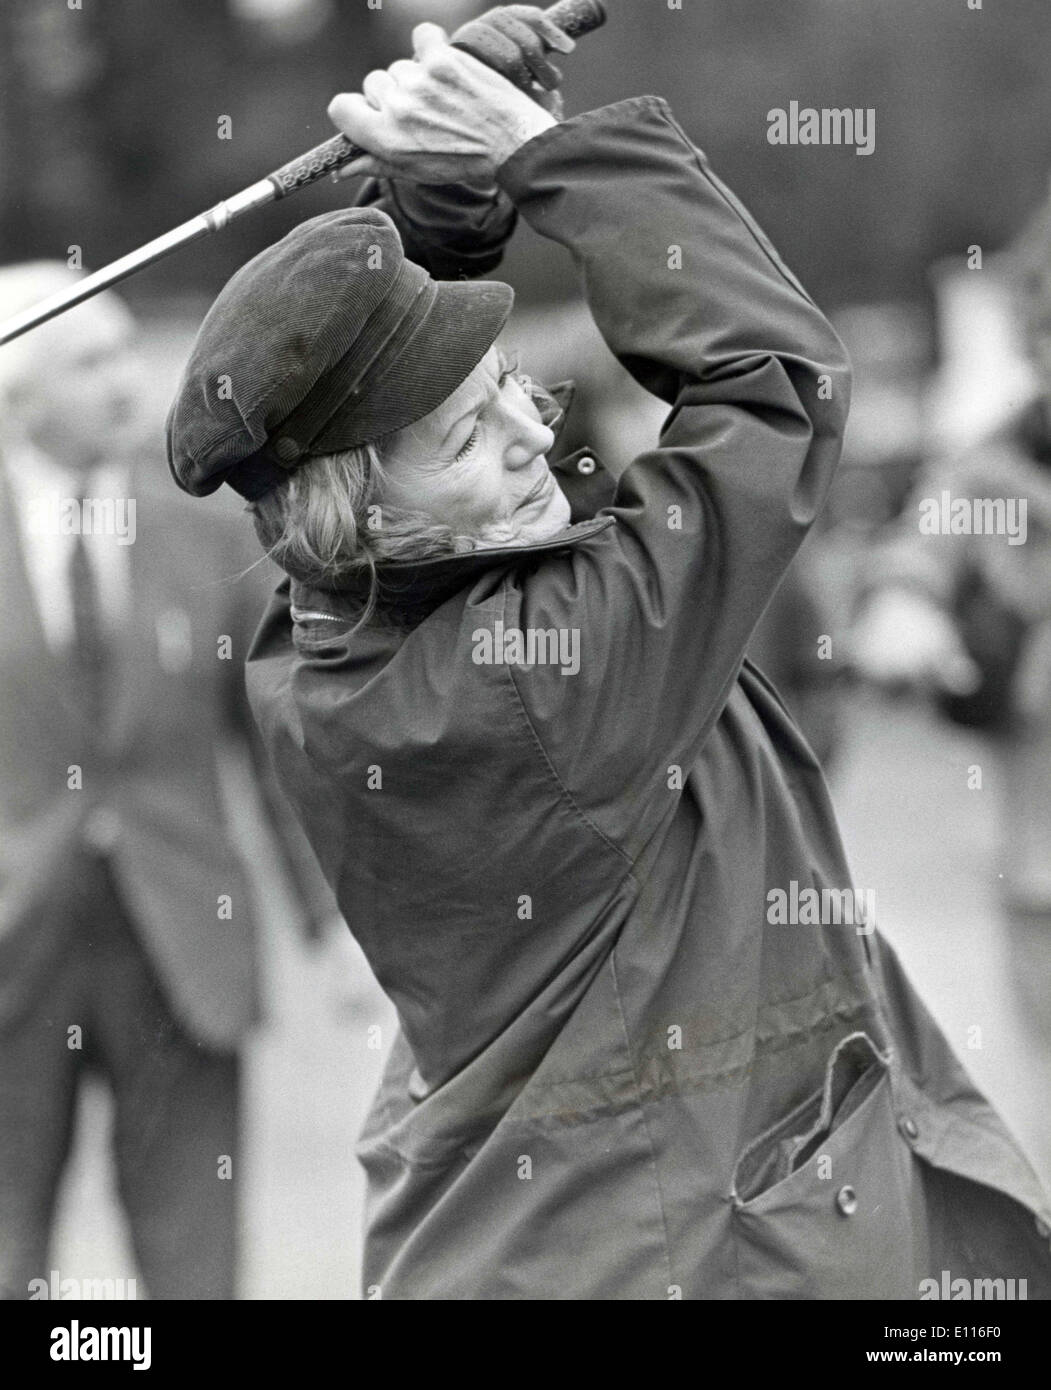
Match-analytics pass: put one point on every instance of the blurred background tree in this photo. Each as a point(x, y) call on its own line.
point(109, 119)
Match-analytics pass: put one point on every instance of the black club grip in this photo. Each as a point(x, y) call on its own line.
point(573, 17)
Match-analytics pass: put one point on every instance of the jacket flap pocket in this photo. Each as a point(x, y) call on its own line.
point(830, 1209)
point(854, 1070)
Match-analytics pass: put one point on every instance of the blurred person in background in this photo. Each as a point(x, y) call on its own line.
point(126, 926)
point(961, 609)
point(795, 643)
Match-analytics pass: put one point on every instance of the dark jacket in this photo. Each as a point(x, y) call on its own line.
point(152, 794)
point(562, 880)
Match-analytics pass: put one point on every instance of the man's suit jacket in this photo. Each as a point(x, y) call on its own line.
point(150, 782)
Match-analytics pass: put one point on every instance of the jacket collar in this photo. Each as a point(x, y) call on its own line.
point(588, 486)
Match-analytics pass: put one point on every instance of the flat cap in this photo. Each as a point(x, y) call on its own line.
point(328, 339)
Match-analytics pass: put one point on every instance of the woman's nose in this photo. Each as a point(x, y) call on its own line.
point(527, 437)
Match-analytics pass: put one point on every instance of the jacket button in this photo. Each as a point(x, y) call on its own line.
point(847, 1201)
point(586, 464)
point(909, 1128)
point(287, 450)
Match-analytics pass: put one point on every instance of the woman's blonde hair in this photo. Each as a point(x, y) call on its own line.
point(326, 526)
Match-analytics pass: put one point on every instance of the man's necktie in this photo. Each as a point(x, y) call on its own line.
point(90, 651)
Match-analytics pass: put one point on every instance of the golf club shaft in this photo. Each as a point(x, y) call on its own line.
point(574, 17)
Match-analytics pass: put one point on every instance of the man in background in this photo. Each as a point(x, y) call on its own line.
point(126, 925)
point(957, 602)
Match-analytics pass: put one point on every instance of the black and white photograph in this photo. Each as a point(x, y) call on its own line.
point(525, 665)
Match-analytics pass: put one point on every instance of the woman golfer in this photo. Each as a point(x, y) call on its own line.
point(650, 1044)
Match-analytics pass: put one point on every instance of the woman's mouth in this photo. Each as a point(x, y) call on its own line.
point(540, 492)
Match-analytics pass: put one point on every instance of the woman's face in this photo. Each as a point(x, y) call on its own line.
point(478, 463)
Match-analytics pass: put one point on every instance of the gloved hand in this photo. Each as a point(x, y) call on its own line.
point(444, 117)
point(515, 40)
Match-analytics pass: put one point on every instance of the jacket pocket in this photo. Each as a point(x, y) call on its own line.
point(826, 1202)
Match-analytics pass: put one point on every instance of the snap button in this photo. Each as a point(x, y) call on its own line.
point(909, 1128)
point(102, 829)
point(586, 464)
point(1042, 1229)
point(287, 449)
point(847, 1201)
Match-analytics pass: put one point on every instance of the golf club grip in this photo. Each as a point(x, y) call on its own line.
point(573, 17)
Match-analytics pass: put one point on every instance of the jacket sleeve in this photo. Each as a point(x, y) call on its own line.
point(454, 232)
point(692, 298)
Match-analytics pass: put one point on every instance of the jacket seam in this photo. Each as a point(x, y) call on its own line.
point(769, 252)
point(656, 1096)
point(659, 106)
point(564, 791)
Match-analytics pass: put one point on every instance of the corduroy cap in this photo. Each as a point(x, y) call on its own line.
point(325, 340)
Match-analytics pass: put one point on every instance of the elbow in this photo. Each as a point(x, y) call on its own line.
point(829, 393)
point(828, 407)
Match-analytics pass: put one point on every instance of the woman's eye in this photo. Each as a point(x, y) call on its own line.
point(468, 446)
point(506, 375)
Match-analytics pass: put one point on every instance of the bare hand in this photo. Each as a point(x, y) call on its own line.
point(443, 117)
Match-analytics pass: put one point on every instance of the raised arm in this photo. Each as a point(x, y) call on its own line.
point(454, 231)
point(695, 302)
point(459, 229)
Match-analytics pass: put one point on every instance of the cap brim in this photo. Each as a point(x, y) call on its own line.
point(464, 321)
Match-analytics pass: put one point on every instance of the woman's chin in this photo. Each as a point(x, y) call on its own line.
point(531, 523)
point(553, 517)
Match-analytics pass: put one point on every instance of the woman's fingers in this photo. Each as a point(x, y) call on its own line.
point(555, 77)
point(377, 87)
point(555, 37)
point(404, 68)
point(365, 166)
point(501, 48)
point(528, 45)
point(351, 113)
point(445, 118)
point(548, 30)
point(550, 101)
point(514, 40)
point(426, 38)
